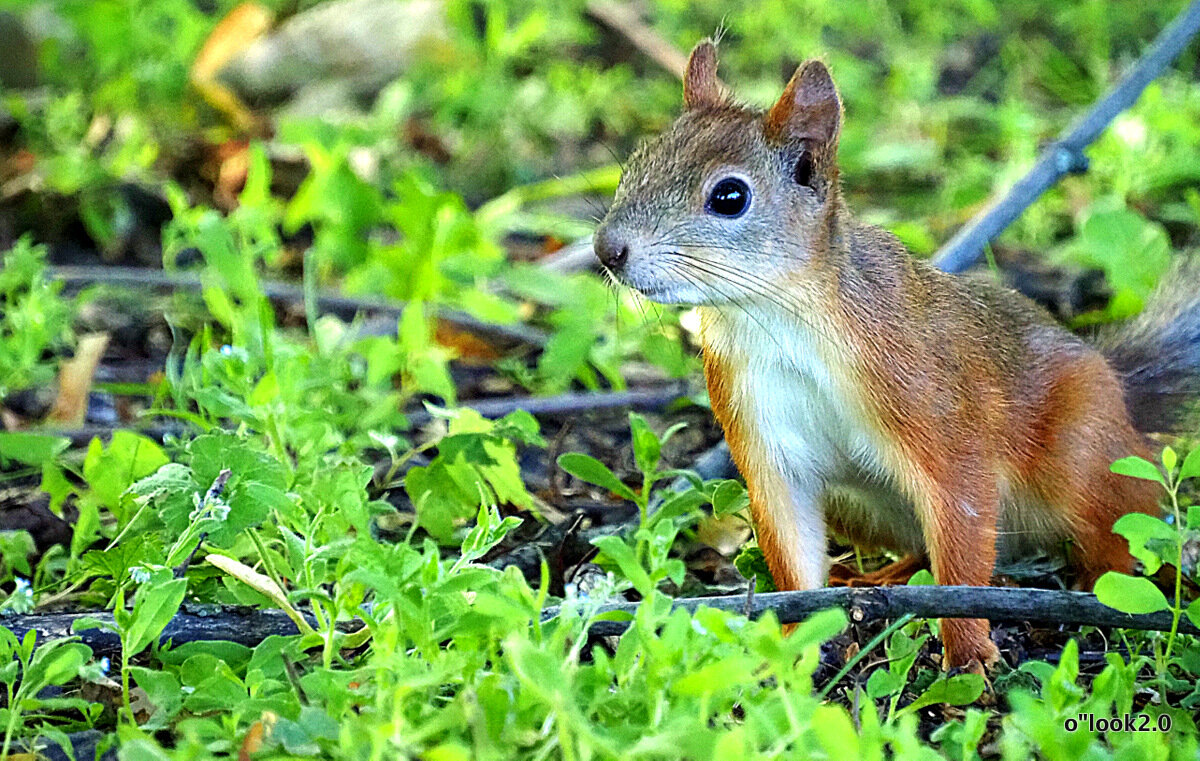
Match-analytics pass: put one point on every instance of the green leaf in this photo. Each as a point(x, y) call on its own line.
point(1191, 465)
point(922, 578)
point(1136, 467)
point(257, 486)
point(616, 550)
point(1193, 612)
point(154, 605)
point(1147, 536)
point(957, 690)
point(1169, 459)
point(647, 449)
point(439, 499)
point(882, 683)
point(729, 497)
point(818, 628)
point(588, 468)
point(54, 662)
point(1109, 232)
point(1130, 594)
point(111, 470)
point(488, 531)
point(163, 690)
point(752, 564)
point(727, 673)
point(31, 448)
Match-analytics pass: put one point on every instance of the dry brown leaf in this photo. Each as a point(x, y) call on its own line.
point(233, 34)
point(75, 381)
point(725, 534)
point(467, 346)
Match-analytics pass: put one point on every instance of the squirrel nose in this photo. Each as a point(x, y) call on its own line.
point(611, 250)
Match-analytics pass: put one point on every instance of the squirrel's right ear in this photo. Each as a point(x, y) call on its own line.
point(701, 87)
point(809, 108)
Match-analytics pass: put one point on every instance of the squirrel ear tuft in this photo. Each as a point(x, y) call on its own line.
point(701, 87)
point(809, 108)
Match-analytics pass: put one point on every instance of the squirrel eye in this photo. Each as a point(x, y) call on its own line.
point(729, 198)
point(804, 169)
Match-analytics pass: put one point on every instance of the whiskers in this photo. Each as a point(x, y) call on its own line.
point(639, 299)
point(734, 286)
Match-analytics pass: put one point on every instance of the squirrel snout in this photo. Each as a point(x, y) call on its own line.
point(612, 250)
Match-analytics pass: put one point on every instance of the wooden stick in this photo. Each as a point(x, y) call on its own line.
point(624, 20)
point(328, 303)
point(1000, 604)
point(241, 625)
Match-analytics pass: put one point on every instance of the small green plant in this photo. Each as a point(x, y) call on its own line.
point(647, 562)
point(29, 668)
point(35, 321)
point(1154, 542)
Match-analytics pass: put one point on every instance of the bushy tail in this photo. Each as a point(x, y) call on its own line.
point(1158, 354)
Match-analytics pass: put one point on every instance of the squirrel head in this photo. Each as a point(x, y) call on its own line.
point(728, 197)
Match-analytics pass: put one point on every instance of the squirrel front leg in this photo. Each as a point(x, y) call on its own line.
point(789, 525)
point(789, 522)
point(959, 514)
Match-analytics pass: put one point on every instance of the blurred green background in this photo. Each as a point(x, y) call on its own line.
point(362, 116)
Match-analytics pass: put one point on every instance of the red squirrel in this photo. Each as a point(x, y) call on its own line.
point(864, 390)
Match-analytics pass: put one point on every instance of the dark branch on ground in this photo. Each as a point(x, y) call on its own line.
point(998, 604)
point(345, 307)
point(1037, 606)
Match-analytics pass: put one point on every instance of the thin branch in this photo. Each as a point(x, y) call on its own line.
point(1065, 156)
point(624, 20)
point(345, 307)
point(1037, 606)
point(570, 403)
point(240, 625)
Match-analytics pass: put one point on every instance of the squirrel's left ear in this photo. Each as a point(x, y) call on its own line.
point(701, 87)
point(809, 108)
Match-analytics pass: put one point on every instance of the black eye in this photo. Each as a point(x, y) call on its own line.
point(729, 197)
point(804, 169)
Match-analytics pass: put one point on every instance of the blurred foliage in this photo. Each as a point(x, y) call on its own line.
point(35, 321)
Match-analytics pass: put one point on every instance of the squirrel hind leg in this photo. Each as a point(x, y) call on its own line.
point(1097, 549)
point(960, 511)
point(1083, 427)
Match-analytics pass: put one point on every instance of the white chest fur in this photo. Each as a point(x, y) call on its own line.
point(791, 387)
point(810, 445)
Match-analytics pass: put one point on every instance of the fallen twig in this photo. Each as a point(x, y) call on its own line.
point(1065, 155)
point(624, 20)
point(570, 403)
point(345, 307)
point(241, 625)
point(999, 604)
point(1038, 606)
